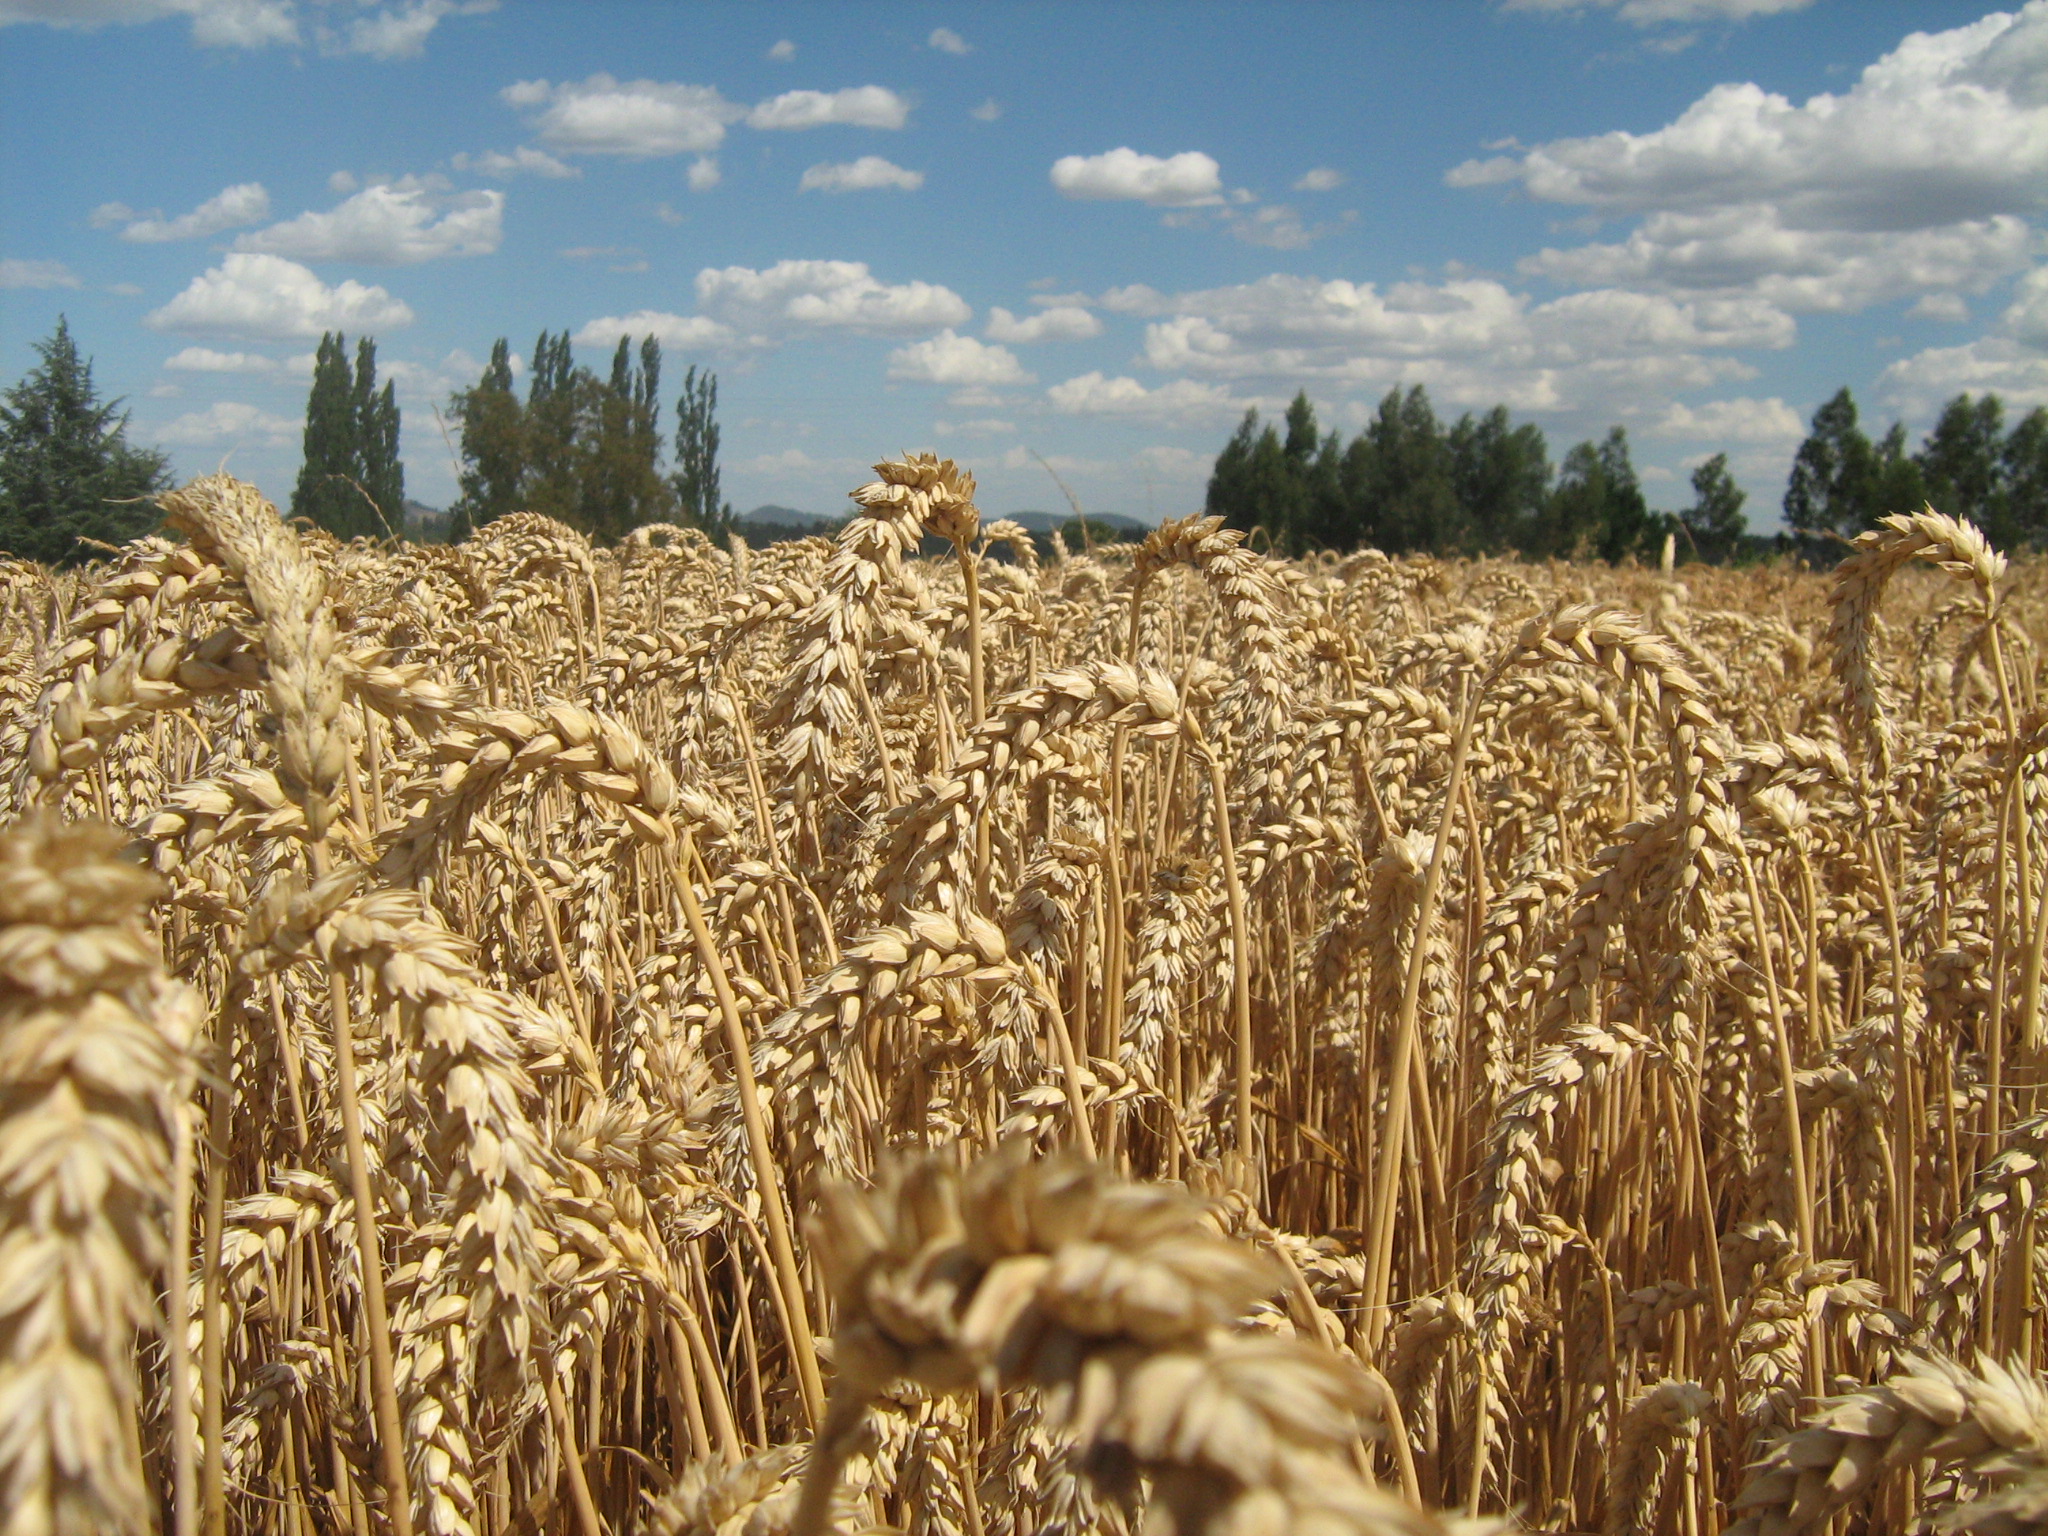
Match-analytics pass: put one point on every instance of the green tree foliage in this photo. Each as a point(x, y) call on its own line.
point(1830, 487)
point(1500, 474)
point(492, 425)
point(351, 480)
point(695, 481)
point(1406, 483)
point(1840, 483)
point(1597, 508)
point(67, 469)
point(2024, 460)
point(622, 482)
point(1960, 462)
point(583, 450)
point(1897, 483)
point(1714, 520)
point(1410, 496)
point(1968, 465)
point(1288, 491)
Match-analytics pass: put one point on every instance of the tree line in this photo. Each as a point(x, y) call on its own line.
point(589, 450)
point(1485, 485)
point(1968, 466)
point(584, 449)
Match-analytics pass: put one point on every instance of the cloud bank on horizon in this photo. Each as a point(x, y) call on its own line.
point(895, 234)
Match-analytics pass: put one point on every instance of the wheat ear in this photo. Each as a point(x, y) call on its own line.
point(1993, 1421)
point(91, 1038)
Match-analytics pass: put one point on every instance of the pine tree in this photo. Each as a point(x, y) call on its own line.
point(1715, 518)
point(492, 424)
point(696, 474)
point(67, 469)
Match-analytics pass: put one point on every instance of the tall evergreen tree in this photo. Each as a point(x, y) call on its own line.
point(1830, 490)
point(696, 474)
point(351, 479)
point(67, 469)
point(323, 494)
point(492, 424)
point(1715, 518)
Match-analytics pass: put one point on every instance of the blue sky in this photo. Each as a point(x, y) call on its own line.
point(1098, 232)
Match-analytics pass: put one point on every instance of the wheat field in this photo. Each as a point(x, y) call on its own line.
point(528, 1037)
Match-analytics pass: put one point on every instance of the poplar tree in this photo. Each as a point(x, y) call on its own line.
point(492, 426)
point(696, 473)
point(351, 480)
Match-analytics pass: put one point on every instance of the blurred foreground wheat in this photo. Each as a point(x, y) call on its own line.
point(528, 1037)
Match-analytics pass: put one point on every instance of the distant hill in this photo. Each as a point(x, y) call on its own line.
point(785, 517)
point(1044, 522)
point(427, 524)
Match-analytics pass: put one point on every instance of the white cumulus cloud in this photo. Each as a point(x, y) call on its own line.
point(230, 208)
point(2011, 358)
point(866, 174)
point(400, 32)
point(946, 40)
point(1750, 250)
point(1650, 13)
point(1060, 322)
point(797, 296)
point(268, 298)
point(388, 32)
point(860, 106)
point(16, 273)
point(949, 358)
point(704, 173)
point(1948, 126)
point(230, 423)
point(394, 223)
point(523, 161)
point(1741, 420)
point(639, 119)
point(1472, 341)
point(1918, 181)
point(215, 23)
point(1186, 180)
point(206, 360)
point(684, 332)
point(1321, 179)
point(1179, 400)
point(783, 51)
